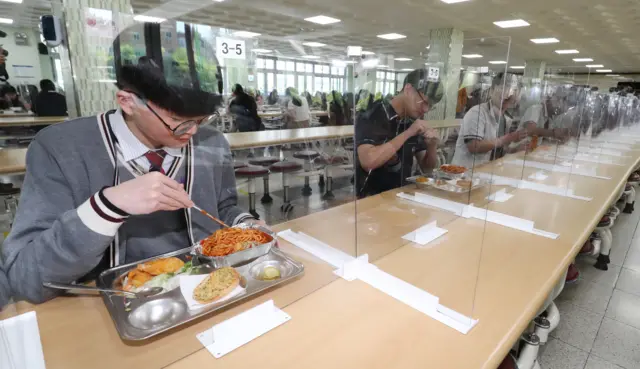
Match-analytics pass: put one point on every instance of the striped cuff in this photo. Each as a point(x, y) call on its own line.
point(101, 216)
point(242, 217)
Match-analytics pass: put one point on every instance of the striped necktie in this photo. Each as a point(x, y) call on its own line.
point(156, 158)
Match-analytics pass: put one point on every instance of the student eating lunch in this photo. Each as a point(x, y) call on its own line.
point(484, 133)
point(118, 187)
point(390, 134)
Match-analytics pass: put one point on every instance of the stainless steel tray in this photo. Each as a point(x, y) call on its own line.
point(140, 319)
point(448, 185)
point(239, 257)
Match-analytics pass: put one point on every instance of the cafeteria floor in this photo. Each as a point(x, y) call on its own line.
point(600, 314)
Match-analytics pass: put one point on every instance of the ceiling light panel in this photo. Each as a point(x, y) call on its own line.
point(512, 23)
point(262, 51)
point(604, 70)
point(368, 53)
point(472, 56)
point(582, 60)
point(453, 1)
point(245, 34)
point(391, 36)
point(497, 62)
point(548, 40)
point(517, 67)
point(569, 51)
point(402, 59)
point(314, 44)
point(310, 56)
point(594, 66)
point(145, 19)
point(322, 19)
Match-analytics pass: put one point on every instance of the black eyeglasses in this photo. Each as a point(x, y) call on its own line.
point(183, 127)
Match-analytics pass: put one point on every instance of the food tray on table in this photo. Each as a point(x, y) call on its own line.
point(450, 185)
point(140, 319)
point(448, 171)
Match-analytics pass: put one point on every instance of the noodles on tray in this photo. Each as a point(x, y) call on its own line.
point(229, 240)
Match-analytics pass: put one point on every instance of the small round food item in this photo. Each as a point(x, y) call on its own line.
point(217, 285)
point(161, 266)
point(422, 179)
point(464, 183)
point(270, 273)
point(453, 169)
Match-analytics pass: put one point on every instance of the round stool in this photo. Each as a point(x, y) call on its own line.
point(265, 161)
point(285, 167)
point(307, 156)
point(238, 165)
point(329, 162)
point(251, 173)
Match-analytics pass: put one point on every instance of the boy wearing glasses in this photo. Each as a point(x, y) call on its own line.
point(390, 134)
point(118, 187)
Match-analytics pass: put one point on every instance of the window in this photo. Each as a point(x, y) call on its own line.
point(270, 84)
point(168, 35)
point(280, 65)
point(291, 80)
point(325, 69)
point(290, 66)
point(136, 36)
point(300, 67)
point(182, 42)
point(318, 69)
point(260, 82)
point(300, 85)
point(309, 68)
point(326, 87)
point(334, 71)
point(260, 63)
point(280, 83)
point(310, 84)
point(269, 64)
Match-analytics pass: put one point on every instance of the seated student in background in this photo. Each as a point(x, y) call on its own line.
point(298, 113)
point(244, 110)
point(9, 98)
point(537, 120)
point(484, 133)
point(116, 188)
point(49, 103)
point(390, 134)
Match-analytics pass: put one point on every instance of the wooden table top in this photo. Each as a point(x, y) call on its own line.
point(8, 114)
point(275, 113)
point(243, 140)
point(28, 121)
point(486, 271)
point(12, 161)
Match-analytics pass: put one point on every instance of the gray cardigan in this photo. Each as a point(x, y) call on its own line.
point(63, 225)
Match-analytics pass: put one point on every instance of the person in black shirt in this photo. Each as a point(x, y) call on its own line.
point(49, 103)
point(245, 111)
point(390, 134)
point(9, 98)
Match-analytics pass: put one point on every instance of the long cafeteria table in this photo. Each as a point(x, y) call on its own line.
point(492, 273)
point(6, 122)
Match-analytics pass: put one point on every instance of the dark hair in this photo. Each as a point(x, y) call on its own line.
point(147, 80)
point(8, 89)
point(237, 89)
point(293, 94)
point(432, 90)
point(47, 85)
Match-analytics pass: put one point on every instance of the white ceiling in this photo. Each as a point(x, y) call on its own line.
point(607, 31)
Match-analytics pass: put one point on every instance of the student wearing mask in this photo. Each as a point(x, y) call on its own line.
point(118, 187)
point(484, 131)
point(539, 119)
point(245, 111)
point(49, 103)
point(390, 134)
point(298, 111)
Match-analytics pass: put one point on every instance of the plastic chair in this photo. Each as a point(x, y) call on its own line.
point(285, 167)
point(251, 173)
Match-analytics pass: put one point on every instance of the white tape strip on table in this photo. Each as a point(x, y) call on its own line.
point(555, 168)
point(579, 157)
point(359, 268)
point(533, 186)
point(20, 346)
point(539, 176)
point(470, 211)
point(425, 234)
point(588, 150)
point(243, 328)
point(500, 196)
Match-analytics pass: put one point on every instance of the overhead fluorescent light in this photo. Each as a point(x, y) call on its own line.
point(314, 44)
point(594, 66)
point(370, 63)
point(349, 61)
point(355, 51)
point(145, 19)
point(262, 51)
point(604, 70)
point(311, 56)
point(512, 23)
point(472, 56)
point(218, 1)
point(453, 1)
point(391, 36)
point(612, 75)
point(339, 63)
point(367, 53)
point(582, 60)
point(570, 51)
point(322, 19)
point(402, 59)
point(12, 1)
point(428, 47)
point(406, 70)
point(517, 67)
point(497, 62)
point(246, 34)
point(548, 40)
point(382, 66)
